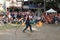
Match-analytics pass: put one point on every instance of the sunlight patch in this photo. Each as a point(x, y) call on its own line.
point(35, 29)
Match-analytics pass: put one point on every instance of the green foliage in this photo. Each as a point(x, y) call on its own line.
point(51, 5)
point(58, 1)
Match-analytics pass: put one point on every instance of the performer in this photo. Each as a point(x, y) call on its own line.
point(27, 24)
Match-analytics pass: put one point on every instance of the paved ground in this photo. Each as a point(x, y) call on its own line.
point(47, 32)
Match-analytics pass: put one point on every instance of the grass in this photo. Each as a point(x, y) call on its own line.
point(9, 26)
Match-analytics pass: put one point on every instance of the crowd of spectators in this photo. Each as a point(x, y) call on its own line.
point(12, 17)
point(15, 17)
point(51, 18)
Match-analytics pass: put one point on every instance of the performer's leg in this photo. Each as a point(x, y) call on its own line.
point(30, 28)
point(25, 28)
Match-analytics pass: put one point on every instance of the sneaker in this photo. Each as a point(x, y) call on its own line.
point(31, 31)
point(23, 31)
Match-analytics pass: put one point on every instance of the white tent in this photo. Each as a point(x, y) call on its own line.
point(51, 11)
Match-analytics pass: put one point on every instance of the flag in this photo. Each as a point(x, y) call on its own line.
point(39, 24)
point(23, 24)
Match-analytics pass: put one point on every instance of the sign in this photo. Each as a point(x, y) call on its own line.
point(19, 0)
point(25, 0)
point(19, 4)
point(26, 7)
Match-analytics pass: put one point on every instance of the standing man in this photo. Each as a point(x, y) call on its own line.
point(56, 19)
point(27, 24)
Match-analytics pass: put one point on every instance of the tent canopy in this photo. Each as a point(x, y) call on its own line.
point(51, 11)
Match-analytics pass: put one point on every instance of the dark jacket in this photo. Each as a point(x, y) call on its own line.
point(27, 21)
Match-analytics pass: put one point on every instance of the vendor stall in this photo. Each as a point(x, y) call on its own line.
point(51, 11)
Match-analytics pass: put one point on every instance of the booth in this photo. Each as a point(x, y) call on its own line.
point(51, 11)
point(49, 15)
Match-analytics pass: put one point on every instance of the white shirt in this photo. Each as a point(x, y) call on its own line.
point(30, 16)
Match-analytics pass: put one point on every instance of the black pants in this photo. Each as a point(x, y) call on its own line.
point(27, 25)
